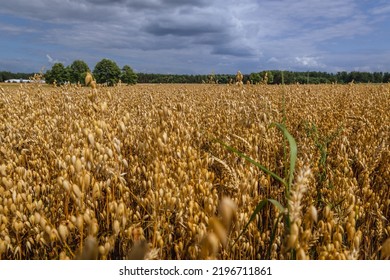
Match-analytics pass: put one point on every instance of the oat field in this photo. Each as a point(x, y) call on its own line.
point(164, 172)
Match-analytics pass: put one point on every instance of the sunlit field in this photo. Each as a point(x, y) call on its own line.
point(195, 172)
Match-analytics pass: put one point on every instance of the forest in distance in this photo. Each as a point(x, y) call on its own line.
point(274, 77)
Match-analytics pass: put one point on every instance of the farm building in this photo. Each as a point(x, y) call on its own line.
point(21, 81)
point(18, 81)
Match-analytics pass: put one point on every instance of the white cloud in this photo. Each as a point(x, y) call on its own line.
point(53, 61)
point(381, 9)
point(273, 60)
point(308, 61)
point(292, 34)
point(15, 30)
point(50, 59)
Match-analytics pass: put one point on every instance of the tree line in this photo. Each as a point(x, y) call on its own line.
point(271, 77)
point(108, 72)
point(6, 75)
point(105, 72)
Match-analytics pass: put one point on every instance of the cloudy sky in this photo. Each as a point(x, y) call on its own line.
point(198, 36)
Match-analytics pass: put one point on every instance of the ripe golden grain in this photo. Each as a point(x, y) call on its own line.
point(140, 165)
point(385, 251)
point(88, 79)
point(313, 213)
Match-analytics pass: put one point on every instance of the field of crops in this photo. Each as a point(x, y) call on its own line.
point(165, 172)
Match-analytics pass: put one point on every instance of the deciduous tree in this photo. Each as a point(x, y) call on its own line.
point(107, 71)
point(128, 75)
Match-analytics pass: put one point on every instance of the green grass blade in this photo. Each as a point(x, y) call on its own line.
point(273, 235)
point(259, 207)
point(293, 151)
point(277, 205)
point(261, 167)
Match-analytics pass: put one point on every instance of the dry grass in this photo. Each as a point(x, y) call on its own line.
point(134, 172)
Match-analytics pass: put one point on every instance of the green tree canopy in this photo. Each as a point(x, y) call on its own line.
point(58, 74)
point(128, 76)
point(255, 78)
point(77, 71)
point(107, 71)
point(270, 76)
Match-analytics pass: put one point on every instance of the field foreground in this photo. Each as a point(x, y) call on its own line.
point(141, 172)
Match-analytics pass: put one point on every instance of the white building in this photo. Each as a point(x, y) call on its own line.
point(17, 81)
point(22, 81)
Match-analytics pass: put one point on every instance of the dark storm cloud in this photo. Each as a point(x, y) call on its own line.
point(105, 2)
point(57, 11)
point(178, 28)
point(237, 51)
point(194, 34)
point(151, 4)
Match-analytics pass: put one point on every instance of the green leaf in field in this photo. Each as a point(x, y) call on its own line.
point(277, 205)
point(273, 235)
point(293, 151)
point(263, 203)
point(253, 216)
point(247, 158)
point(259, 207)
